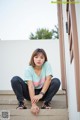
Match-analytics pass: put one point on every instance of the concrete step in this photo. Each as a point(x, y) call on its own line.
point(49, 114)
point(8, 100)
point(8, 103)
point(10, 94)
point(11, 104)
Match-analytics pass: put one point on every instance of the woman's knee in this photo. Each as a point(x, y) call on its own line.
point(15, 79)
point(56, 81)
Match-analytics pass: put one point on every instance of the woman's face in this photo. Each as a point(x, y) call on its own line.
point(39, 59)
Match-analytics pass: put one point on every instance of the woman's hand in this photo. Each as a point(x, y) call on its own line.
point(36, 98)
point(35, 109)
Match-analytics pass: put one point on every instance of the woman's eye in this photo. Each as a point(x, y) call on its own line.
point(42, 58)
point(36, 56)
point(39, 57)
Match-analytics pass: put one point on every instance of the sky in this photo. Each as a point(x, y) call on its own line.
point(18, 18)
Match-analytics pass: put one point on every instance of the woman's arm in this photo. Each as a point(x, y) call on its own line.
point(34, 108)
point(31, 90)
point(46, 84)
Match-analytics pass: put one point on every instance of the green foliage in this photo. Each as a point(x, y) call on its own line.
point(55, 32)
point(41, 34)
point(45, 34)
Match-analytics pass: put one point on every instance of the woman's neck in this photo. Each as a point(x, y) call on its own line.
point(38, 67)
point(38, 70)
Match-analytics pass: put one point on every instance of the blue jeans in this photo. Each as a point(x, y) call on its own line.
point(21, 91)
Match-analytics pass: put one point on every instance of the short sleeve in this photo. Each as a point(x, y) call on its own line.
point(27, 75)
point(48, 69)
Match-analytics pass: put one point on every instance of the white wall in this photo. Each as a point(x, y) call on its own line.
point(70, 74)
point(77, 7)
point(15, 56)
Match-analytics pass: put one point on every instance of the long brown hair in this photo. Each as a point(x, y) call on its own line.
point(36, 52)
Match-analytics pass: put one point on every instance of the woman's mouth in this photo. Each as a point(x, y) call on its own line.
point(38, 62)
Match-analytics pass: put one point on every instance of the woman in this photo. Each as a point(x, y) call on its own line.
point(38, 83)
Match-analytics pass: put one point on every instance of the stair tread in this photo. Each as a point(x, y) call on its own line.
point(9, 101)
point(10, 92)
point(55, 103)
point(14, 101)
point(48, 114)
point(59, 111)
point(44, 112)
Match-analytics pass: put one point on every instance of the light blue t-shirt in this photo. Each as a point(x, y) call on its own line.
point(38, 80)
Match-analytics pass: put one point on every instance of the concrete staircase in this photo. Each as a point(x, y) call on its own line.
point(9, 103)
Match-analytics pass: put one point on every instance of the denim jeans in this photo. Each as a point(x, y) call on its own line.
point(21, 91)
